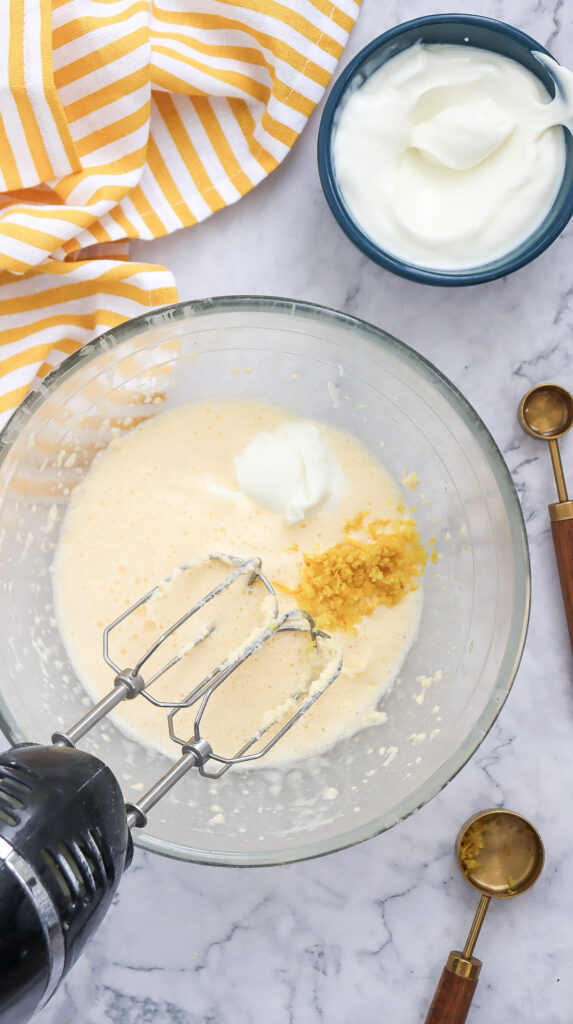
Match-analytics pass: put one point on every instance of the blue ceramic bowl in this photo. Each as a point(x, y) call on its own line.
point(460, 30)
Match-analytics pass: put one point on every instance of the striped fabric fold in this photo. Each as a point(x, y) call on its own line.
point(126, 119)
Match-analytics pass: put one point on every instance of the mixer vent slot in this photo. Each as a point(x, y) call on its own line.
point(8, 817)
point(80, 868)
point(95, 849)
point(19, 769)
point(53, 865)
point(14, 792)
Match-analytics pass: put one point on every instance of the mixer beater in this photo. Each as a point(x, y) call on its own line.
point(65, 831)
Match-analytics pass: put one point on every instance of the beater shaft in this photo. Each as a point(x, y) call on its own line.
point(137, 813)
point(126, 687)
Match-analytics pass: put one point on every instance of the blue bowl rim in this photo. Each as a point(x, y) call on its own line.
point(423, 275)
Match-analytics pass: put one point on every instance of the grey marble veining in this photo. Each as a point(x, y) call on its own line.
point(362, 935)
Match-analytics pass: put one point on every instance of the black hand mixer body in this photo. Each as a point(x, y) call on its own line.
point(64, 844)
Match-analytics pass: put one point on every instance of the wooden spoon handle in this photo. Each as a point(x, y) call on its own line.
point(562, 530)
point(453, 996)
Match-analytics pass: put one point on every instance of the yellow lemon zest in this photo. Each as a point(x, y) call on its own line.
point(344, 583)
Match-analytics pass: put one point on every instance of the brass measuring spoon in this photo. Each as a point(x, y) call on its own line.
point(546, 412)
point(501, 855)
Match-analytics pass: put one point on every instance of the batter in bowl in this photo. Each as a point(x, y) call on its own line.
point(244, 477)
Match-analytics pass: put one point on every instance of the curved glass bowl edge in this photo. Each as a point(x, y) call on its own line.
point(520, 619)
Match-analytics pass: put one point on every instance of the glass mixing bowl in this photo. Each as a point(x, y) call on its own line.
point(331, 367)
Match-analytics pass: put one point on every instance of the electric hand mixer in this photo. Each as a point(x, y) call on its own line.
point(65, 831)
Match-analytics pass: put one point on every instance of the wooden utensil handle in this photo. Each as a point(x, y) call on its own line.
point(562, 530)
point(453, 996)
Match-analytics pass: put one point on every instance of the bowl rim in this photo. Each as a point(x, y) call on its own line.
point(194, 308)
point(424, 275)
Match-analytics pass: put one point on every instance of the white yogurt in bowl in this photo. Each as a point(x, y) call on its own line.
point(450, 156)
point(445, 149)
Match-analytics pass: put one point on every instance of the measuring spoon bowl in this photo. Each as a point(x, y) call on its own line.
point(500, 853)
point(546, 411)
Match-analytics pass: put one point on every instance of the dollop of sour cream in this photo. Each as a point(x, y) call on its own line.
point(451, 156)
point(291, 471)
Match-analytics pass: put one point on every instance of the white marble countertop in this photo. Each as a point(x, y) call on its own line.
point(363, 934)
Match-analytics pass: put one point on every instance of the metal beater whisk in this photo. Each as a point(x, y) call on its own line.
point(64, 827)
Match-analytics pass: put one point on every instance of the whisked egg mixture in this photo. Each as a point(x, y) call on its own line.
point(247, 478)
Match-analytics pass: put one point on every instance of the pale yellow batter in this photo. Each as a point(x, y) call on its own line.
point(167, 492)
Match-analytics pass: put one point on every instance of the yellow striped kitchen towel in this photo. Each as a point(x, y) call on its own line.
point(128, 119)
